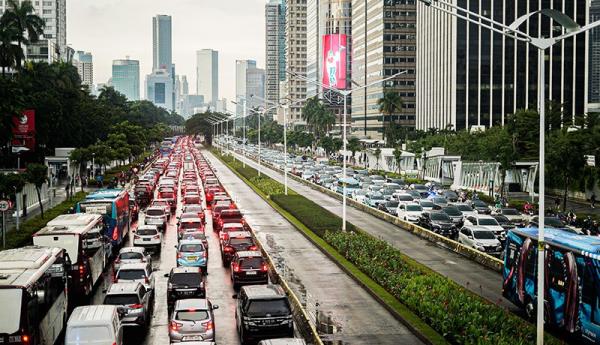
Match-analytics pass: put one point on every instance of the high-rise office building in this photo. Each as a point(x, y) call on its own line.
point(295, 31)
point(383, 44)
point(185, 87)
point(207, 75)
point(159, 89)
point(594, 59)
point(161, 43)
point(241, 75)
point(126, 78)
point(52, 45)
point(470, 76)
point(255, 86)
point(85, 67)
point(275, 49)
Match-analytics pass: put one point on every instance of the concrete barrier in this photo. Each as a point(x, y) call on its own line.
point(483, 259)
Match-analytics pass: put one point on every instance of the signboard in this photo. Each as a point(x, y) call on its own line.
point(591, 160)
point(334, 61)
point(24, 129)
point(4, 205)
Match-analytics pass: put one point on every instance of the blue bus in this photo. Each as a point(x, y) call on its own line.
point(113, 205)
point(572, 279)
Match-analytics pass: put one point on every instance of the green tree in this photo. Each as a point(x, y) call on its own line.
point(377, 154)
point(9, 51)
point(318, 118)
point(134, 135)
point(327, 144)
point(37, 174)
point(398, 157)
point(353, 146)
point(81, 156)
point(29, 26)
point(389, 104)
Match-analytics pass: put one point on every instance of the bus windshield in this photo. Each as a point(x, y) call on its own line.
point(11, 306)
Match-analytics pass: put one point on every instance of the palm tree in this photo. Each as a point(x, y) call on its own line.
point(353, 146)
point(9, 51)
point(29, 25)
point(389, 104)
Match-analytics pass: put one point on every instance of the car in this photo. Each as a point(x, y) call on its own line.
point(374, 198)
point(93, 239)
point(230, 227)
point(438, 222)
point(450, 195)
point(404, 198)
point(94, 324)
point(196, 208)
point(263, 312)
point(192, 253)
point(439, 200)
point(455, 214)
point(136, 272)
point(428, 205)
point(228, 216)
point(185, 282)
point(390, 207)
point(409, 212)
point(481, 239)
point(131, 255)
point(217, 208)
point(359, 195)
point(480, 206)
point(283, 341)
point(249, 267)
point(196, 235)
point(513, 215)
point(133, 302)
point(134, 209)
point(191, 198)
point(189, 225)
point(504, 222)
point(147, 236)
point(553, 222)
point(466, 209)
point(422, 189)
point(168, 204)
point(157, 216)
point(236, 241)
point(192, 320)
point(489, 223)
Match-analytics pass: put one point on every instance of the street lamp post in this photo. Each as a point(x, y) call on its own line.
point(541, 44)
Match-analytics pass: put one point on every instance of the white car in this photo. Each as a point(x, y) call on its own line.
point(481, 239)
point(359, 195)
point(410, 212)
point(140, 272)
point(157, 216)
point(487, 222)
point(131, 255)
point(147, 236)
point(404, 198)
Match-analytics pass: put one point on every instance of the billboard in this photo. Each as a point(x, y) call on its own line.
point(334, 61)
point(24, 129)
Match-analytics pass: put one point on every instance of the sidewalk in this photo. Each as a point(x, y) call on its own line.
point(577, 205)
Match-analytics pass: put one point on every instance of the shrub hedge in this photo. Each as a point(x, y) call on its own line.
point(16, 239)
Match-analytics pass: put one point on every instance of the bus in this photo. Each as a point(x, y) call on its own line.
point(166, 147)
point(33, 295)
point(572, 279)
point(113, 205)
point(89, 253)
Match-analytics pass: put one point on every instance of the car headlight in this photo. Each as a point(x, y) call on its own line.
point(480, 248)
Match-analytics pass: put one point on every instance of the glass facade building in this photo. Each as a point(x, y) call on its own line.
point(161, 42)
point(275, 49)
point(126, 78)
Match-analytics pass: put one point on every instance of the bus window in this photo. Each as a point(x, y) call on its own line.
point(531, 263)
point(557, 271)
point(589, 293)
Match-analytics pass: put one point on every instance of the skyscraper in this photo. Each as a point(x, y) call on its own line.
point(85, 67)
point(594, 58)
point(383, 44)
point(161, 42)
point(159, 89)
point(126, 78)
point(295, 31)
point(255, 86)
point(275, 49)
point(207, 75)
point(470, 76)
point(185, 88)
point(241, 68)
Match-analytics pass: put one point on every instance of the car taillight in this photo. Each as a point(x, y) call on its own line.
point(81, 269)
point(136, 306)
point(146, 280)
point(175, 326)
point(236, 267)
point(117, 260)
point(253, 248)
point(228, 249)
point(232, 206)
point(179, 255)
point(264, 267)
point(209, 325)
point(25, 339)
point(221, 222)
point(225, 237)
point(205, 254)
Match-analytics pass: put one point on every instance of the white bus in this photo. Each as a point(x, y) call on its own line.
point(33, 288)
point(78, 235)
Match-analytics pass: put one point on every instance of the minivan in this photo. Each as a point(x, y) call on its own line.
point(94, 324)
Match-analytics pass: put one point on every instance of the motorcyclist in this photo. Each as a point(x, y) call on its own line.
point(528, 207)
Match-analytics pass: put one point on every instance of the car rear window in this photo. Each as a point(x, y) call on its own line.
point(196, 315)
point(131, 256)
point(191, 248)
point(121, 299)
point(155, 212)
point(239, 241)
point(131, 274)
point(190, 225)
point(255, 262)
point(146, 232)
point(88, 334)
point(231, 215)
point(275, 307)
point(192, 279)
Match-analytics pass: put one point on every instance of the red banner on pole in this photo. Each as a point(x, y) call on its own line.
point(24, 129)
point(334, 61)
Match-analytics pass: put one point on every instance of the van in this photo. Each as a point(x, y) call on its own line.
point(94, 324)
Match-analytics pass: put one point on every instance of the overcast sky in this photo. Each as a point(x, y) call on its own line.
point(113, 29)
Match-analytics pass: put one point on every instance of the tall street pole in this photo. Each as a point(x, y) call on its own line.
point(244, 135)
point(541, 213)
point(285, 155)
point(345, 173)
point(258, 143)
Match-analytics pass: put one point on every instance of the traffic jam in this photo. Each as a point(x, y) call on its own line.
point(136, 266)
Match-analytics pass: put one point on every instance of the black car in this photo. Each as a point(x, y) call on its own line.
point(504, 222)
point(249, 267)
point(450, 195)
point(455, 214)
point(480, 206)
point(440, 223)
point(185, 282)
point(236, 241)
point(263, 312)
point(390, 207)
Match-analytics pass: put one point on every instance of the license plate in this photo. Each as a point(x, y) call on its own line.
point(186, 293)
point(147, 239)
point(192, 338)
point(192, 258)
point(251, 273)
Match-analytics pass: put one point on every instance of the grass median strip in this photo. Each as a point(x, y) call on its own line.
point(436, 306)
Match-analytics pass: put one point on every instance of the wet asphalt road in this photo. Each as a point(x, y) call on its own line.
point(356, 317)
point(469, 274)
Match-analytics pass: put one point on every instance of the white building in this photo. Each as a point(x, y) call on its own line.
point(207, 75)
point(295, 30)
point(85, 67)
point(159, 89)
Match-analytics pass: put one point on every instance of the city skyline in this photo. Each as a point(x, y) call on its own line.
point(130, 34)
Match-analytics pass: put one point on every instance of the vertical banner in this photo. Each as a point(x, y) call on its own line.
point(334, 61)
point(24, 129)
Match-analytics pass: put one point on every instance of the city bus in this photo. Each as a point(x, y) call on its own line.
point(166, 147)
point(572, 279)
point(113, 205)
point(77, 234)
point(33, 295)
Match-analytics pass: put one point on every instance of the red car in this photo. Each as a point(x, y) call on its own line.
point(191, 198)
point(228, 216)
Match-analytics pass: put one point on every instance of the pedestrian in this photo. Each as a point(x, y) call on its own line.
point(593, 200)
point(557, 204)
point(67, 190)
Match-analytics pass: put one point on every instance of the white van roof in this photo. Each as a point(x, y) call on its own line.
point(92, 315)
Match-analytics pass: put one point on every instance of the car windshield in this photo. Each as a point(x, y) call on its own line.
point(255, 262)
point(392, 204)
point(510, 212)
point(501, 219)
point(452, 211)
point(406, 198)
point(191, 248)
point(376, 196)
point(464, 208)
point(146, 232)
point(190, 279)
point(440, 200)
point(192, 315)
point(414, 208)
point(88, 334)
point(486, 221)
point(152, 212)
point(450, 194)
point(277, 307)
point(131, 274)
point(440, 216)
point(121, 299)
point(426, 204)
point(131, 256)
point(479, 203)
point(483, 235)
